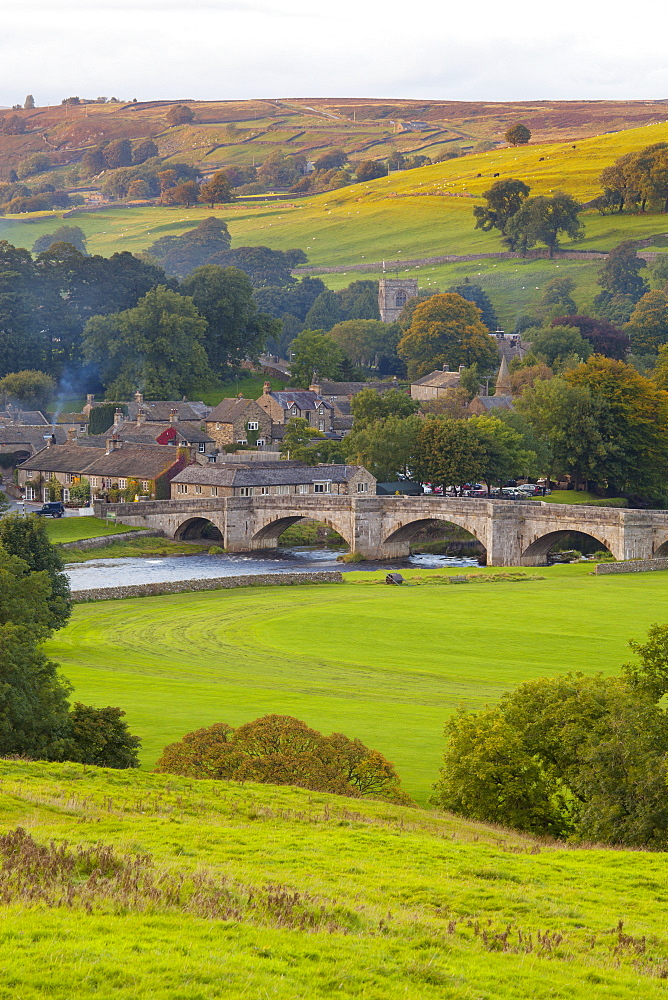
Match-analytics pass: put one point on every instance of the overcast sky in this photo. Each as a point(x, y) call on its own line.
point(207, 49)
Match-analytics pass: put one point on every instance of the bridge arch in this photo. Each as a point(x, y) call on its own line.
point(407, 530)
point(196, 528)
point(660, 549)
point(536, 553)
point(268, 534)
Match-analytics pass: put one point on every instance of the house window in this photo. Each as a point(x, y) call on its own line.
point(30, 493)
point(260, 442)
point(241, 441)
point(93, 481)
point(245, 491)
point(202, 447)
point(283, 490)
point(45, 495)
point(218, 426)
point(214, 491)
point(253, 425)
point(122, 484)
point(322, 487)
point(303, 487)
point(181, 487)
point(198, 489)
point(69, 477)
point(294, 411)
point(66, 495)
point(362, 487)
point(321, 425)
point(264, 491)
point(145, 485)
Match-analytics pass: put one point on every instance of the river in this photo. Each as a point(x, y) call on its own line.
point(163, 569)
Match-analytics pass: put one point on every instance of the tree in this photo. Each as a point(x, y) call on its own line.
point(517, 135)
point(118, 154)
point(366, 341)
point(34, 164)
point(622, 286)
point(385, 447)
point(556, 345)
point(541, 220)
point(446, 329)
point(216, 191)
point(480, 298)
point(263, 266)
point(526, 376)
point(449, 452)
point(634, 426)
point(648, 324)
point(370, 170)
point(30, 390)
point(183, 194)
point(179, 114)
point(295, 299)
point(619, 182)
point(99, 736)
point(504, 199)
point(325, 312)
point(505, 453)
point(604, 337)
point(93, 162)
point(74, 235)
point(567, 421)
point(159, 345)
point(13, 125)
point(281, 750)
point(331, 159)
point(369, 406)
point(143, 150)
point(29, 103)
point(236, 330)
point(27, 538)
point(314, 355)
point(182, 254)
point(557, 296)
point(298, 438)
point(279, 170)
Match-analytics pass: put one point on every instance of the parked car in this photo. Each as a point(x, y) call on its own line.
point(534, 490)
point(52, 508)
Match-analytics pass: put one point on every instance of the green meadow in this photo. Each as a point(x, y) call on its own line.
point(385, 664)
point(74, 529)
point(207, 890)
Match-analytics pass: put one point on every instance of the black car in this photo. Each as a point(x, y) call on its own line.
point(53, 508)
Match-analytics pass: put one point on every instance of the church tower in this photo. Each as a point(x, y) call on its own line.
point(503, 385)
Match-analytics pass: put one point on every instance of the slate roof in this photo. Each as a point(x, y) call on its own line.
point(33, 437)
point(147, 432)
point(160, 410)
point(304, 398)
point(352, 388)
point(273, 475)
point(229, 410)
point(68, 457)
point(439, 379)
point(494, 402)
point(28, 418)
point(146, 462)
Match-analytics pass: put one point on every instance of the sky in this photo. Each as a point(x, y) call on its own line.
point(494, 50)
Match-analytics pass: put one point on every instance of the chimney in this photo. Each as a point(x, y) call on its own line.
point(266, 388)
point(49, 440)
point(141, 417)
point(71, 435)
point(173, 416)
point(314, 388)
point(461, 368)
point(139, 398)
point(240, 395)
point(446, 368)
point(90, 399)
point(113, 444)
point(118, 416)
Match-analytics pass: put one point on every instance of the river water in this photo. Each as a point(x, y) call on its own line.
point(163, 569)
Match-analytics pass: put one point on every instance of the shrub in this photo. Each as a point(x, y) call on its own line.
point(281, 750)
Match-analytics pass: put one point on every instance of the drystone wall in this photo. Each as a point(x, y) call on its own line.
point(215, 583)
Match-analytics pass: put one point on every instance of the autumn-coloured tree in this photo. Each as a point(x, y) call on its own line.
point(446, 330)
point(216, 191)
point(282, 750)
point(648, 325)
point(183, 194)
point(180, 114)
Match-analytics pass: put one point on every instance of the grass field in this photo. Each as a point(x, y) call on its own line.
point(385, 664)
point(304, 896)
point(138, 547)
point(74, 529)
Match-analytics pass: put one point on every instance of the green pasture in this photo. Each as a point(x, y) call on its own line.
point(385, 664)
point(74, 529)
point(135, 548)
point(404, 903)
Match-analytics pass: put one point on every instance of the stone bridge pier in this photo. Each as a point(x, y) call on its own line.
point(379, 527)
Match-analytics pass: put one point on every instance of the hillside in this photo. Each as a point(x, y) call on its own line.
point(234, 132)
point(211, 890)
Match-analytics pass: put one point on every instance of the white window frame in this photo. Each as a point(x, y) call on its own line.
point(283, 490)
point(324, 486)
point(198, 488)
point(245, 491)
point(181, 487)
point(303, 487)
point(69, 477)
point(66, 495)
point(202, 447)
point(93, 482)
point(241, 441)
point(264, 491)
point(253, 425)
point(122, 484)
point(362, 487)
point(30, 492)
point(214, 491)
point(145, 485)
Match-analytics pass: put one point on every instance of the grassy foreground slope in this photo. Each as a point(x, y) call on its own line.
point(221, 890)
point(385, 664)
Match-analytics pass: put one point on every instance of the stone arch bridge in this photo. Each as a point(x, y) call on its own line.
point(381, 527)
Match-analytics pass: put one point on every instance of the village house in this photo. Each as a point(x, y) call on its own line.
point(22, 418)
point(174, 432)
point(272, 479)
point(21, 442)
point(156, 410)
point(60, 467)
point(340, 394)
point(502, 398)
point(239, 421)
point(436, 385)
point(286, 404)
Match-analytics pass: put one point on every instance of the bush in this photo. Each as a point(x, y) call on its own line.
point(100, 736)
point(281, 750)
